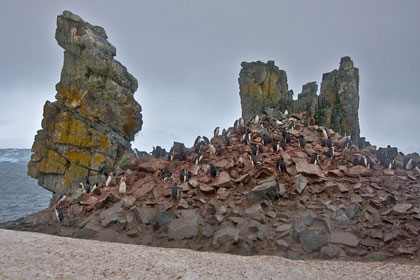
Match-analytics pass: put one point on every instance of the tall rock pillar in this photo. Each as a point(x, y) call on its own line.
point(89, 127)
point(262, 85)
point(339, 99)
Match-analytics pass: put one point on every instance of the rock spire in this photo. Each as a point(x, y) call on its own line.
point(86, 131)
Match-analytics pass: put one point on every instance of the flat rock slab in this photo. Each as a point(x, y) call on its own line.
point(300, 183)
point(265, 190)
point(307, 168)
point(357, 171)
point(344, 238)
point(312, 241)
point(27, 255)
point(401, 208)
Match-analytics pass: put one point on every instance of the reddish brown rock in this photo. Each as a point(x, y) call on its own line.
point(308, 169)
point(223, 180)
point(206, 188)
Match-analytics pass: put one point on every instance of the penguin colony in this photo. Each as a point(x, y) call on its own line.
point(256, 139)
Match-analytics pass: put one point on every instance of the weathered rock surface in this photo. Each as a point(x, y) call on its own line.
point(87, 130)
point(185, 227)
point(312, 241)
point(265, 190)
point(334, 209)
point(338, 106)
point(262, 85)
point(344, 238)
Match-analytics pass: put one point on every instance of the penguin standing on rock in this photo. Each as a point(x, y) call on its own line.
point(315, 159)
point(256, 119)
point(330, 152)
point(213, 171)
point(206, 140)
point(227, 140)
point(166, 174)
point(276, 146)
point(283, 145)
point(182, 176)
point(281, 165)
point(212, 149)
point(260, 148)
point(61, 199)
point(171, 156)
point(174, 191)
point(305, 123)
point(254, 160)
point(287, 138)
point(370, 163)
point(189, 175)
point(324, 133)
point(59, 214)
point(236, 124)
point(198, 159)
point(301, 141)
point(408, 164)
point(266, 140)
point(216, 132)
point(329, 142)
point(254, 150)
point(197, 147)
point(108, 181)
point(197, 140)
point(85, 187)
point(123, 186)
point(345, 145)
point(247, 138)
point(95, 190)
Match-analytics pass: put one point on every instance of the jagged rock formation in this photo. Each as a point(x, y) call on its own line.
point(88, 129)
point(264, 87)
point(307, 101)
point(339, 99)
point(351, 206)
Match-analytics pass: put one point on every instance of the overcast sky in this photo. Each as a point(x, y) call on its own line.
point(186, 56)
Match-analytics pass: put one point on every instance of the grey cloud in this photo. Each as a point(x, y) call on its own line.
point(187, 54)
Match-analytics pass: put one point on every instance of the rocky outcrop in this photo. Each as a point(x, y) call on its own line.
point(334, 208)
point(87, 130)
point(263, 88)
point(339, 99)
point(307, 101)
point(262, 85)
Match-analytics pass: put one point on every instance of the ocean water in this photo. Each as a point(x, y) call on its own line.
point(20, 195)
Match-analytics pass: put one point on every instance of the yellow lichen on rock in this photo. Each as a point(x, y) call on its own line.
point(95, 116)
point(72, 97)
point(80, 157)
point(74, 175)
point(53, 163)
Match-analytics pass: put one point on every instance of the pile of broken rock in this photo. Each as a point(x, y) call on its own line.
point(328, 209)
